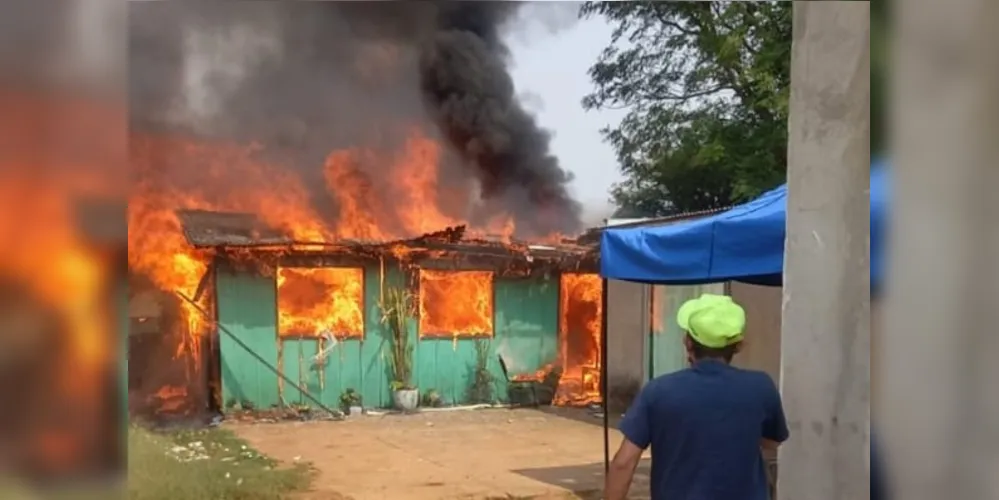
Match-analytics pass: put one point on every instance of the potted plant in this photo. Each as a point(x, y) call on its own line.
point(431, 399)
point(481, 389)
point(350, 402)
point(397, 310)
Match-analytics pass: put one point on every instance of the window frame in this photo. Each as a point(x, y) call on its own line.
point(339, 338)
point(421, 335)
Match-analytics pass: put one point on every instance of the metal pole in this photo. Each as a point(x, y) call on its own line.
point(603, 373)
point(650, 366)
point(259, 358)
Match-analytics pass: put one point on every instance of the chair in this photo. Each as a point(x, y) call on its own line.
point(520, 392)
point(531, 392)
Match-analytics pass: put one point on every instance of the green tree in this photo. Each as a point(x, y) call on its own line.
point(706, 87)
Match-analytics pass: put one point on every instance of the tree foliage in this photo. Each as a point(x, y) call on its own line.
point(706, 88)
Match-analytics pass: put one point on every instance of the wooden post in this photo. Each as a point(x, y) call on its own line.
point(825, 348)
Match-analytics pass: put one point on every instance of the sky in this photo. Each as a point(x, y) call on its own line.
point(549, 71)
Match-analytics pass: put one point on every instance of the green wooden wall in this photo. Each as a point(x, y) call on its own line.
point(246, 309)
point(666, 351)
point(526, 330)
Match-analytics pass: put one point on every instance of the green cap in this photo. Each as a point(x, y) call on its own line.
point(712, 320)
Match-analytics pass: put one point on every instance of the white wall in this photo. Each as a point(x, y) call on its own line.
point(761, 349)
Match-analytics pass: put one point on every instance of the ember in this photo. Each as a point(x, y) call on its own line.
point(312, 301)
point(171, 399)
point(456, 303)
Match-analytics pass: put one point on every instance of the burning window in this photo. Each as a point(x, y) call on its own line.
point(320, 300)
point(456, 303)
point(580, 317)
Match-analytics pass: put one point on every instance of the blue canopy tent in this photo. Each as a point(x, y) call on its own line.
point(744, 243)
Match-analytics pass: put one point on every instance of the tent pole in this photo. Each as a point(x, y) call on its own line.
point(604, 393)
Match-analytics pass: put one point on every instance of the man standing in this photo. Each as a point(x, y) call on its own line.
point(707, 423)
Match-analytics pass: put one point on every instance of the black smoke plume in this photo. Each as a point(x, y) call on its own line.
point(304, 78)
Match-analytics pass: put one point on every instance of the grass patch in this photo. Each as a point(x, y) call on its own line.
point(210, 464)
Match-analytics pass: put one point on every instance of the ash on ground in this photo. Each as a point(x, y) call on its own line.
point(282, 414)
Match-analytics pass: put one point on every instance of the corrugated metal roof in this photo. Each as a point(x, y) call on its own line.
point(669, 219)
point(592, 235)
point(204, 228)
point(619, 222)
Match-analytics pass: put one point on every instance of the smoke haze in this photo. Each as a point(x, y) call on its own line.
point(305, 78)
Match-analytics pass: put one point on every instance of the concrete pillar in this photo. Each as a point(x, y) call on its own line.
point(938, 395)
point(825, 348)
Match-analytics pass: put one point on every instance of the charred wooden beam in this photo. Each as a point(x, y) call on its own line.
point(205, 280)
point(452, 234)
point(467, 248)
point(508, 260)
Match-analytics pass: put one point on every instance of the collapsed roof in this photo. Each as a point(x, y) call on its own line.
point(206, 229)
point(230, 232)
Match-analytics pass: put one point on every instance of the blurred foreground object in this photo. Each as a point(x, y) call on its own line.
point(61, 275)
point(938, 399)
point(62, 260)
point(825, 353)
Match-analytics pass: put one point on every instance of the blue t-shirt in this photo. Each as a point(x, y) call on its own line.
point(705, 424)
point(877, 479)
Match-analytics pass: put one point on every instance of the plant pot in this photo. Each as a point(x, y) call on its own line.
point(356, 411)
point(406, 399)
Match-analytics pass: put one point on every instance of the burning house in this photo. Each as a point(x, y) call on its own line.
point(286, 189)
point(313, 311)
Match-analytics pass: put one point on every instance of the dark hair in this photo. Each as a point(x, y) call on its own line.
point(699, 351)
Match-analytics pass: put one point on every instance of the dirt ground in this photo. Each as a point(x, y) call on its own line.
point(476, 454)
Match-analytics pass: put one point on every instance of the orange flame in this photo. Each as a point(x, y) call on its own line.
point(406, 204)
point(537, 376)
point(315, 300)
point(157, 247)
point(50, 259)
point(456, 303)
point(341, 198)
point(182, 174)
point(580, 311)
point(39, 174)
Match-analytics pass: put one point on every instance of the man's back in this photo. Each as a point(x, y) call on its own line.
point(705, 425)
